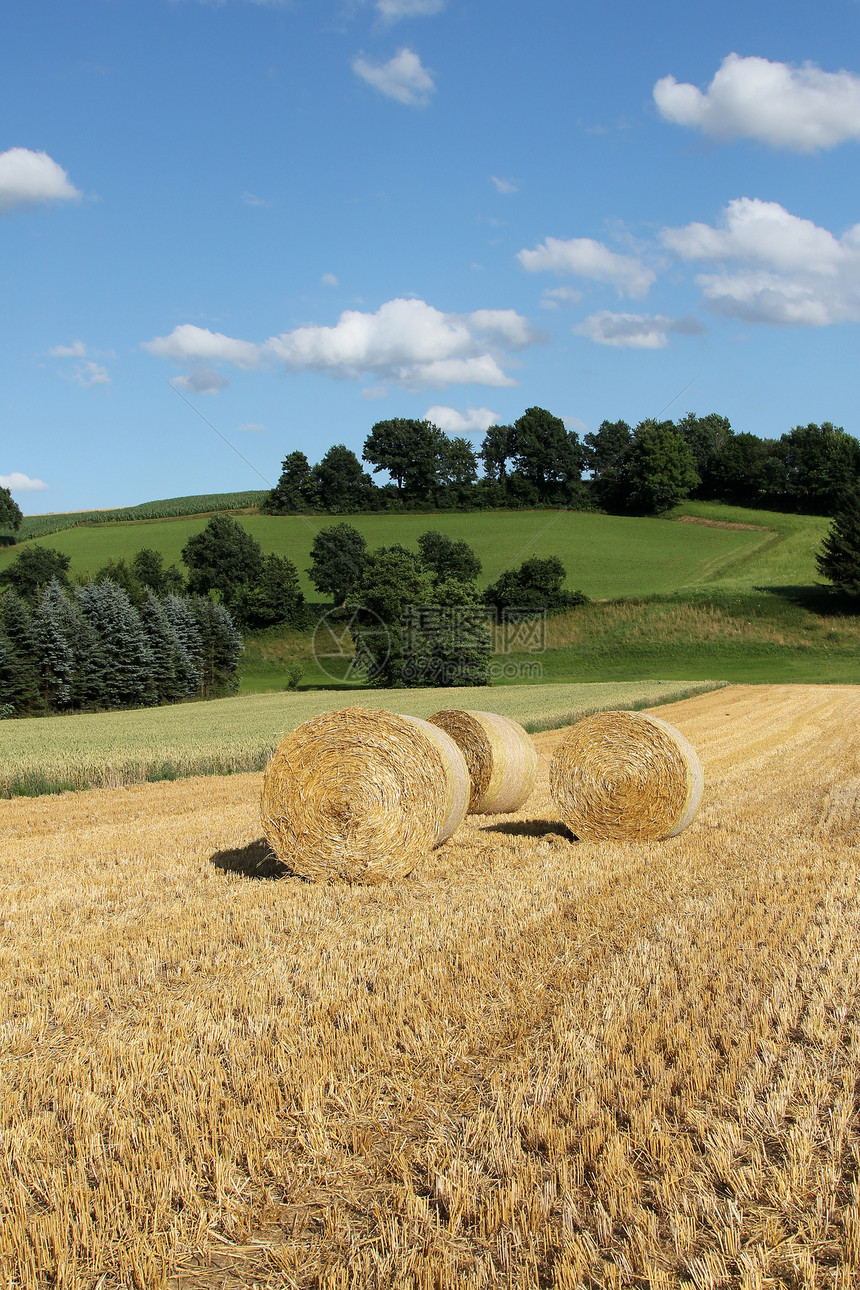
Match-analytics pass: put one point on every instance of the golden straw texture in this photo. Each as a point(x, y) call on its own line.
point(500, 755)
point(362, 795)
point(625, 776)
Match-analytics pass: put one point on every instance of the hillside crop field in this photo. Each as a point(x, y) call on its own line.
point(225, 736)
point(605, 555)
point(534, 1063)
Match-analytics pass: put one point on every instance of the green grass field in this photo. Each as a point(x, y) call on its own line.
point(701, 599)
point(606, 556)
point(224, 736)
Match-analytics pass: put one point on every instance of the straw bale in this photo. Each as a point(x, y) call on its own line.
point(500, 754)
point(361, 795)
point(626, 776)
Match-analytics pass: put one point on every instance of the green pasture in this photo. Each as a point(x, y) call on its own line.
point(605, 556)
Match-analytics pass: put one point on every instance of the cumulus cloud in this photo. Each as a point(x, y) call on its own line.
point(405, 342)
point(799, 108)
point(394, 9)
point(472, 421)
point(29, 178)
point(200, 380)
point(77, 349)
point(585, 258)
point(780, 268)
point(636, 331)
point(403, 78)
point(555, 297)
point(188, 342)
point(504, 185)
point(90, 373)
point(18, 483)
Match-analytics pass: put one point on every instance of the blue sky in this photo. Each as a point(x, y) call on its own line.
point(305, 217)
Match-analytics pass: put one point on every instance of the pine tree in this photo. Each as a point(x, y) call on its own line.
point(839, 559)
point(189, 665)
point(128, 658)
point(54, 638)
point(21, 684)
point(168, 674)
point(221, 646)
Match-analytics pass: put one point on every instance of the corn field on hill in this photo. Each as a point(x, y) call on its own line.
point(535, 1063)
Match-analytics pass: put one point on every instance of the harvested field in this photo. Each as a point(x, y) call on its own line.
point(535, 1063)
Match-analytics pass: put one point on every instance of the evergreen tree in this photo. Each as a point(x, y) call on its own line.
point(839, 558)
point(221, 646)
point(54, 635)
point(189, 645)
point(167, 671)
point(128, 662)
point(16, 625)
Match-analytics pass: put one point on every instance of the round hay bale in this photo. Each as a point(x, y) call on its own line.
point(625, 776)
point(362, 795)
point(500, 754)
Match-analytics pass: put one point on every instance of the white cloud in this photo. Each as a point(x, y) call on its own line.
point(635, 331)
point(406, 342)
point(77, 349)
point(200, 380)
point(188, 342)
point(472, 421)
point(394, 9)
point(555, 297)
point(28, 178)
point(89, 374)
point(18, 483)
point(329, 280)
point(251, 199)
point(504, 185)
point(402, 78)
point(585, 258)
point(253, 427)
point(787, 269)
point(800, 108)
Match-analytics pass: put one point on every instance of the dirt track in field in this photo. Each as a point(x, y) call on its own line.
point(534, 1063)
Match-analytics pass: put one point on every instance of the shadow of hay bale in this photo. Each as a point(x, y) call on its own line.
point(532, 829)
point(256, 860)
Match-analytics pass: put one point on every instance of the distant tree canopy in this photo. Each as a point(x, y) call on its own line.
point(537, 462)
point(11, 515)
point(33, 568)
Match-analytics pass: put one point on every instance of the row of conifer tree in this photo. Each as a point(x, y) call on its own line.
point(89, 648)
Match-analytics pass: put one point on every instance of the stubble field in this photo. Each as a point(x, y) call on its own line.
point(535, 1063)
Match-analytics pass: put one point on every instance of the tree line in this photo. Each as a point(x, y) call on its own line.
point(91, 646)
point(537, 461)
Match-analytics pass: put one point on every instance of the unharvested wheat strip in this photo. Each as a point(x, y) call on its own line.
point(361, 795)
point(500, 754)
point(626, 776)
